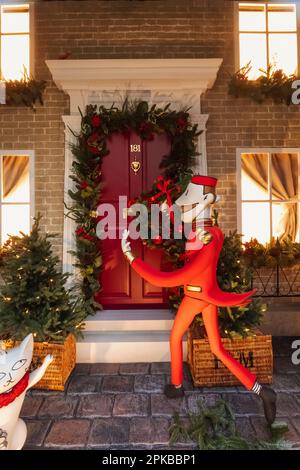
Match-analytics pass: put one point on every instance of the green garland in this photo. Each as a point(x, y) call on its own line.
point(273, 84)
point(97, 125)
point(283, 253)
point(25, 92)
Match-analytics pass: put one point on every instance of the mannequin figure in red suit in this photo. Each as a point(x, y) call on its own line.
point(201, 291)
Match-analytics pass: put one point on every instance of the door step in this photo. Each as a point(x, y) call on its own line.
point(127, 336)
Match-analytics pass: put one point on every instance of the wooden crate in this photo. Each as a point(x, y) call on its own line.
point(254, 352)
point(60, 368)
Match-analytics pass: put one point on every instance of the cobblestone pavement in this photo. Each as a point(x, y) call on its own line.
point(122, 406)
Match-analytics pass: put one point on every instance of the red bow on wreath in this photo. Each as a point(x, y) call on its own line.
point(163, 185)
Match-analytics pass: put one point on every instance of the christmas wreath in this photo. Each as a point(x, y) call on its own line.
point(98, 123)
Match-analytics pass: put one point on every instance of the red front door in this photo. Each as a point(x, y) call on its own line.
point(121, 286)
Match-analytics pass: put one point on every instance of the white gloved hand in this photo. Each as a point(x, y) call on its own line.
point(125, 243)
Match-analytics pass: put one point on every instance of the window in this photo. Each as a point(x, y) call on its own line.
point(268, 36)
point(269, 194)
point(16, 201)
point(14, 41)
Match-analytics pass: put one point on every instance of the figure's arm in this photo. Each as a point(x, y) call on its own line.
point(168, 279)
point(37, 374)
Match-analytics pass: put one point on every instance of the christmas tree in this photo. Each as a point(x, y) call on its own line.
point(33, 296)
point(234, 276)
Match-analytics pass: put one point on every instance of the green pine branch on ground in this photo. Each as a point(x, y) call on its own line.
point(33, 294)
point(214, 428)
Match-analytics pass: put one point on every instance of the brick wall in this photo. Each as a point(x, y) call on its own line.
point(157, 28)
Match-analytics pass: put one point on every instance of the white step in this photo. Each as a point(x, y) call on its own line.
point(130, 320)
point(120, 336)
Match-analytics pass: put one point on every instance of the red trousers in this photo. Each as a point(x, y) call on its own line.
point(187, 311)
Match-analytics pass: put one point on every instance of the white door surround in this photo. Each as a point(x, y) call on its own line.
point(180, 82)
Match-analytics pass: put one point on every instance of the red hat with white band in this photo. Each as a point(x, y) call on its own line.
point(204, 180)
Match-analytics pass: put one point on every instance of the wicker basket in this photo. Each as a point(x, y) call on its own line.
point(254, 352)
point(60, 368)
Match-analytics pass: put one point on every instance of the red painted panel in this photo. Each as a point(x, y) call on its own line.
point(121, 285)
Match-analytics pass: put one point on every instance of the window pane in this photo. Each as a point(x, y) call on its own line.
point(14, 219)
point(283, 52)
point(254, 176)
point(15, 19)
point(282, 18)
point(252, 17)
point(253, 48)
point(285, 220)
point(256, 221)
point(284, 173)
point(14, 56)
point(15, 175)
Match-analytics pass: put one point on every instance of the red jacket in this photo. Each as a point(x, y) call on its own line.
point(200, 271)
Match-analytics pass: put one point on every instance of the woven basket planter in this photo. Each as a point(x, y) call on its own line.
point(58, 371)
point(254, 352)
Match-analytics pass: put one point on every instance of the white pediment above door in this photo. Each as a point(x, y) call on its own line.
point(84, 78)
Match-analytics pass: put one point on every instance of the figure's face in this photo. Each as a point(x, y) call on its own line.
point(193, 202)
point(14, 363)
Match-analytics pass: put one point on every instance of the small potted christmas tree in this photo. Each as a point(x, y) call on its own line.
point(34, 299)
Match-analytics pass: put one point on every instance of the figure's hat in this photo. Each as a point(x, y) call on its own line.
point(204, 180)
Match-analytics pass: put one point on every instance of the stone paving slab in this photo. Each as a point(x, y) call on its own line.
point(149, 383)
point(58, 407)
point(135, 368)
point(163, 406)
point(122, 406)
point(95, 406)
point(83, 384)
point(68, 433)
point(117, 384)
point(131, 404)
point(106, 432)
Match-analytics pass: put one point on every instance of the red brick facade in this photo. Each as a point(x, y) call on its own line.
point(142, 29)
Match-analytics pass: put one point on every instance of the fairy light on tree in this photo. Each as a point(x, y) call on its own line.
point(37, 301)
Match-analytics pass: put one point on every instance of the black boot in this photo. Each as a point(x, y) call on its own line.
point(173, 392)
point(268, 397)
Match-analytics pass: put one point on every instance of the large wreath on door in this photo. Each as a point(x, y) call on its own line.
point(97, 125)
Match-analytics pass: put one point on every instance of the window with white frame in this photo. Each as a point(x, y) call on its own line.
point(268, 36)
point(269, 194)
point(14, 41)
point(16, 201)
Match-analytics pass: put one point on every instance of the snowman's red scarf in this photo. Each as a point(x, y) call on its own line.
point(15, 392)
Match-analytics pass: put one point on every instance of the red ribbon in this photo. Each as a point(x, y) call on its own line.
point(15, 392)
point(163, 187)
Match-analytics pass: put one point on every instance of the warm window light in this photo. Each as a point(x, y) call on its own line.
point(269, 196)
point(14, 41)
point(15, 195)
point(268, 35)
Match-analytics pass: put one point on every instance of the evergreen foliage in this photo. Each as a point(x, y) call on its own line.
point(33, 294)
point(214, 428)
